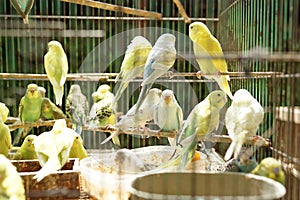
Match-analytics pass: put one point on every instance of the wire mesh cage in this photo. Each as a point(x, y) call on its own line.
point(259, 40)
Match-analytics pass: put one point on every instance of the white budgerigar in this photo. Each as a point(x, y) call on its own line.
point(168, 114)
point(242, 120)
point(132, 65)
point(53, 148)
point(161, 58)
point(135, 120)
point(56, 67)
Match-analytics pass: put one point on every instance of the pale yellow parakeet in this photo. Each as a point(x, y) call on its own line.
point(5, 139)
point(133, 64)
point(53, 148)
point(201, 122)
point(77, 149)
point(207, 46)
point(26, 151)
point(56, 67)
point(11, 184)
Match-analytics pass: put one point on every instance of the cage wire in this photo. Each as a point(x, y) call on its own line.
point(259, 40)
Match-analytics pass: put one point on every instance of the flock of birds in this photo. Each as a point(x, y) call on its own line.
point(53, 148)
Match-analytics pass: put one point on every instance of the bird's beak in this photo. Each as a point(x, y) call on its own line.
point(32, 91)
point(168, 99)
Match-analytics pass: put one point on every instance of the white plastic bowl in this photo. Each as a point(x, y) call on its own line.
point(101, 177)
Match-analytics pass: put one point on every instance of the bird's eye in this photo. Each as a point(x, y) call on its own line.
point(28, 140)
point(77, 137)
point(191, 27)
point(219, 95)
point(238, 159)
point(250, 157)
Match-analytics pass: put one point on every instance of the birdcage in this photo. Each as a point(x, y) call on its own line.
point(258, 39)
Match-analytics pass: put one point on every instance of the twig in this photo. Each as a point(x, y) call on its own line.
point(182, 11)
point(116, 8)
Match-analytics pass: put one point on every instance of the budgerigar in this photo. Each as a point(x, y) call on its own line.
point(133, 64)
point(50, 111)
point(4, 111)
point(206, 45)
point(201, 122)
point(11, 183)
point(56, 67)
point(168, 114)
point(77, 108)
point(77, 149)
point(134, 120)
point(42, 90)
point(242, 120)
point(53, 148)
point(128, 161)
point(26, 151)
point(29, 110)
point(160, 59)
point(102, 113)
point(23, 7)
point(245, 162)
point(5, 139)
point(271, 168)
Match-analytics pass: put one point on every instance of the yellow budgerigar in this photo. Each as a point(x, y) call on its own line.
point(26, 151)
point(133, 64)
point(11, 183)
point(206, 47)
point(56, 67)
point(5, 139)
point(77, 149)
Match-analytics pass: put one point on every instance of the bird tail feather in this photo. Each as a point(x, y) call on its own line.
point(51, 166)
point(58, 92)
point(224, 85)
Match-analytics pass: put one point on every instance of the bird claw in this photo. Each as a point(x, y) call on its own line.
point(170, 74)
point(199, 74)
point(258, 140)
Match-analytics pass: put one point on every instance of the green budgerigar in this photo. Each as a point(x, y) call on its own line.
point(206, 45)
point(77, 108)
point(26, 151)
point(50, 111)
point(77, 149)
point(5, 139)
point(53, 148)
point(133, 64)
point(201, 122)
point(23, 7)
point(29, 110)
point(56, 67)
point(11, 183)
point(271, 168)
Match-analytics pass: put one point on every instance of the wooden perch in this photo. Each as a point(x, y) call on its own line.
point(116, 8)
point(70, 77)
point(182, 11)
point(216, 138)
